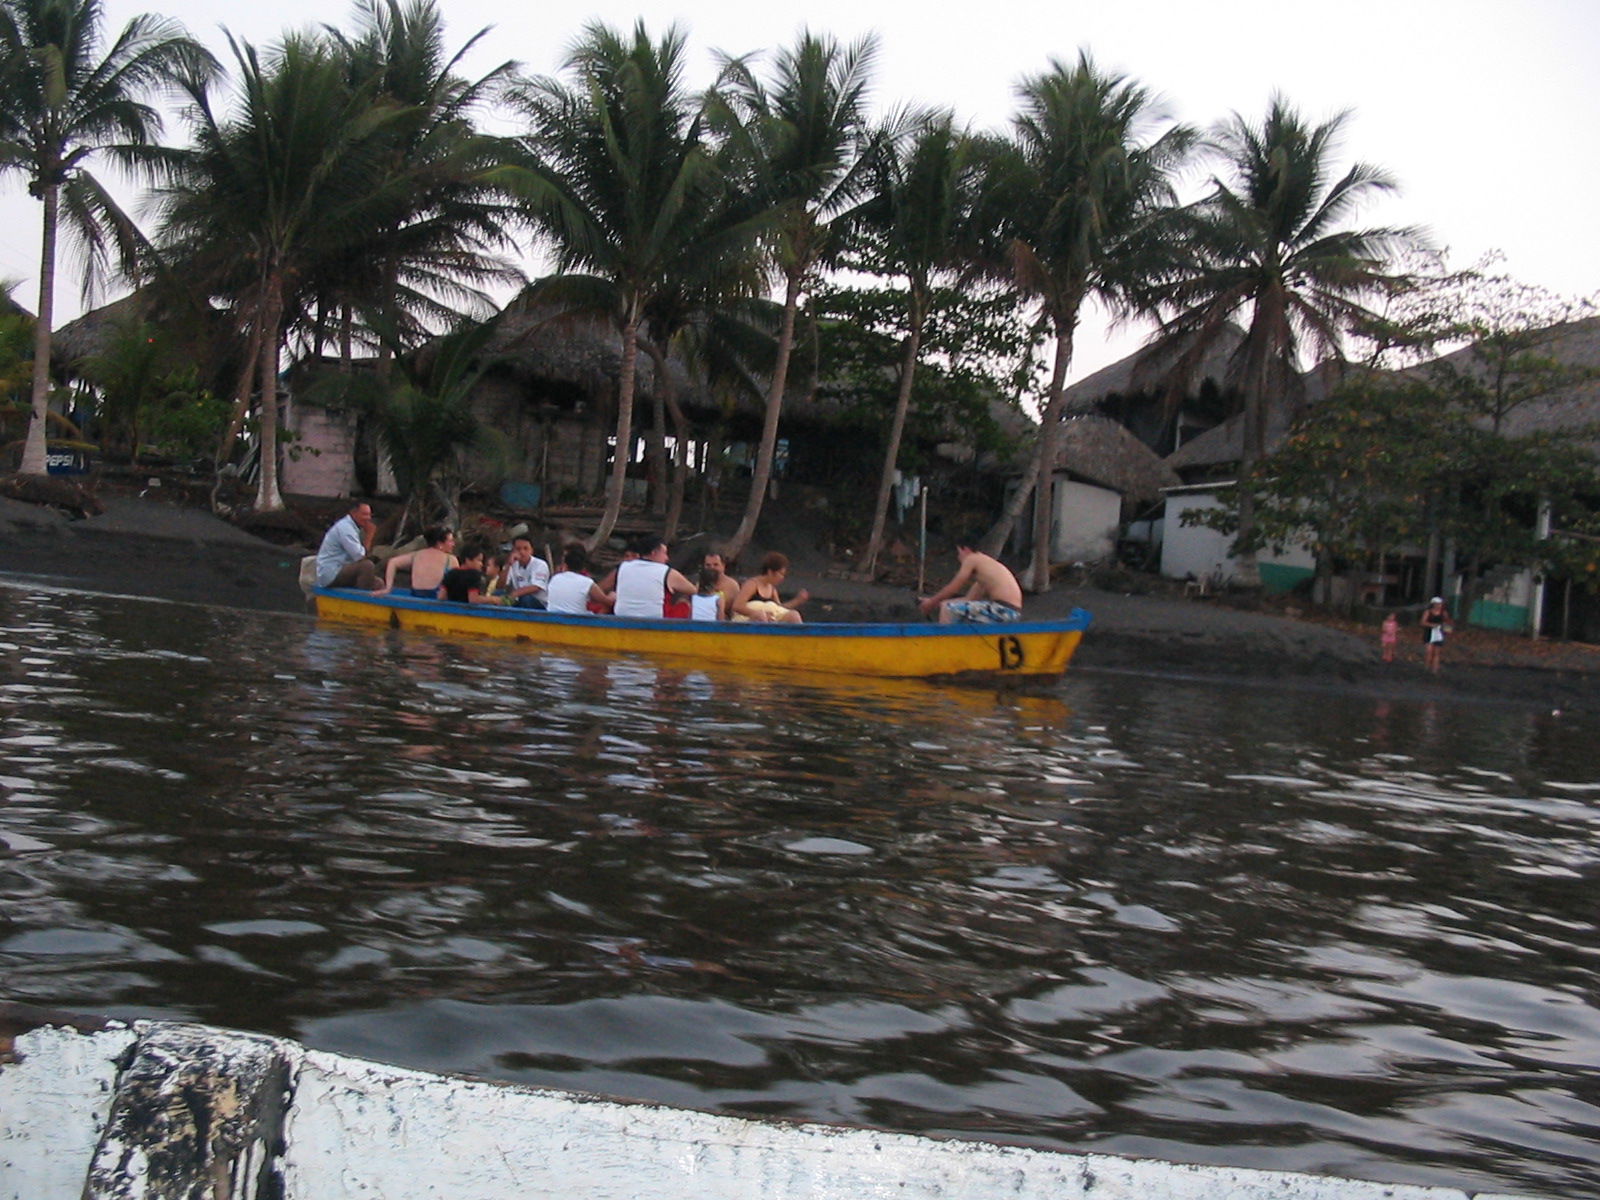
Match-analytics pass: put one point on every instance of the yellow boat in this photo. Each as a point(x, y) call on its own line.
point(1035, 651)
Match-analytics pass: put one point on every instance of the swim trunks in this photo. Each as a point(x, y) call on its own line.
point(982, 612)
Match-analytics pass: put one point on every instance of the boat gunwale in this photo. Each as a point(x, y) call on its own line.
point(1077, 622)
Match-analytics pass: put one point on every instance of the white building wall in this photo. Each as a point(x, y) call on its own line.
point(1086, 522)
point(1203, 552)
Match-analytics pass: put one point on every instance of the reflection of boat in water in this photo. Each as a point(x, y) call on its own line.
point(1034, 650)
point(171, 1109)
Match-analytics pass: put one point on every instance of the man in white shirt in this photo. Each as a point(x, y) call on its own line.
point(643, 583)
point(342, 560)
point(526, 576)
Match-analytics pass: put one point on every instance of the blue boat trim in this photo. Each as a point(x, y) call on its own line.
point(1078, 619)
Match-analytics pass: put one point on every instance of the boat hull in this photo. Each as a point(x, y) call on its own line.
point(92, 1114)
point(1027, 650)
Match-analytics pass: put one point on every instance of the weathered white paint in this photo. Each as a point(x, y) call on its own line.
point(356, 1129)
point(54, 1101)
point(381, 1133)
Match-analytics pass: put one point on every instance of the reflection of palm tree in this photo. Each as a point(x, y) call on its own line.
point(621, 181)
point(923, 192)
point(1076, 196)
point(1269, 242)
point(797, 147)
point(62, 102)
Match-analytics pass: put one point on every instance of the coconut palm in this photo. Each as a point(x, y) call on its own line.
point(620, 180)
point(431, 255)
point(62, 103)
point(1077, 196)
point(264, 198)
point(1270, 247)
point(795, 143)
point(923, 194)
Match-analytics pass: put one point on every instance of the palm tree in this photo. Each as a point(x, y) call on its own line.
point(62, 102)
point(797, 146)
point(923, 194)
point(1269, 245)
point(428, 257)
point(620, 179)
point(264, 199)
point(1078, 196)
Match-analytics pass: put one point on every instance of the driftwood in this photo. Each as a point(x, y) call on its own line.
point(53, 490)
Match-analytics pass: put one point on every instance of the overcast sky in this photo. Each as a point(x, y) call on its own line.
point(1486, 111)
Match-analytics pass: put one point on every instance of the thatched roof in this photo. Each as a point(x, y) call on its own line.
point(1106, 452)
point(91, 333)
point(1147, 370)
point(1574, 344)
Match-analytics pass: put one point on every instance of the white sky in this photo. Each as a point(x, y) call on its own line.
point(1486, 111)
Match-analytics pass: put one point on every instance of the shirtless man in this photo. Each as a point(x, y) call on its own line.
point(993, 595)
point(727, 585)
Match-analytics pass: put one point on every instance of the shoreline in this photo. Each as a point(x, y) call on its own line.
point(162, 551)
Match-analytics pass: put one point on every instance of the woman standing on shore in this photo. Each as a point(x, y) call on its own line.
point(1436, 622)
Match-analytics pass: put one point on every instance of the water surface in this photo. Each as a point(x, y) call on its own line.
point(1215, 924)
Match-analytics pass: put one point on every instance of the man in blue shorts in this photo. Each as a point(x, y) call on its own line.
point(993, 595)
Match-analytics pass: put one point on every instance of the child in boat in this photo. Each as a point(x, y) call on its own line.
point(708, 603)
point(467, 584)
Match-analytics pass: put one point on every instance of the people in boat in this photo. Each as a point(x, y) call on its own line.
point(708, 604)
point(571, 590)
point(715, 560)
point(427, 566)
point(526, 576)
point(342, 559)
point(1436, 623)
point(644, 584)
point(988, 592)
point(467, 582)
point(759, 599)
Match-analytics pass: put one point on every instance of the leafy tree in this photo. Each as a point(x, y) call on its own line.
point(138, 378)
point(795, 143)
point(62, 103)
point(1269, 244)
point(1076, 199)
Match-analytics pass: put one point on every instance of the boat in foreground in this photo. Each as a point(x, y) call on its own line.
point(100, 1110)
point(1031, 650)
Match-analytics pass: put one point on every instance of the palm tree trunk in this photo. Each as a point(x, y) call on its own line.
point(268, 498)
point(619, 464)
point(996, 540)
point(667, 389)
point(35, 448)
point(891, 455)
point(242, 393)
point(1049, 436)
point(761, 476)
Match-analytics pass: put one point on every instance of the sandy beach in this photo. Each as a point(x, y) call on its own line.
point(150, 547)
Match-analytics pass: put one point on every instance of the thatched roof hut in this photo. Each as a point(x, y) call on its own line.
point(1102, 451)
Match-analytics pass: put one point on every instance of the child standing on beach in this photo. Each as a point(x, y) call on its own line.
point(1389, 636)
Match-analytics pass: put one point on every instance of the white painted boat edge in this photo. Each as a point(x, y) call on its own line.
point(353, 1128)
